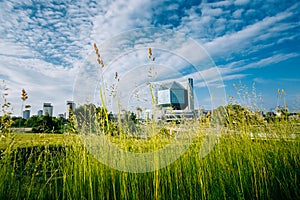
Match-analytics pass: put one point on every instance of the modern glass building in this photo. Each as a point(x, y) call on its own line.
point(176, 102)
point(70, 108)
point(48, 109)
point(26, 114)
point(173, 95)
point(40, 113)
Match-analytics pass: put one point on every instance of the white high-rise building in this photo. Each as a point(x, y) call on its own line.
point(190, 89)
point(26, 114)
point(48, 109)
point(70, 108)
point(40, 113)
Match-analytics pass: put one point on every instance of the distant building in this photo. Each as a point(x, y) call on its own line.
point(40, 113)
point(70, 108)
point(48, 109)
point(270, 114)
point(148, 114)
point(61, 116)
point(173, 95)
point(176, 101)
point(26, 114)
point(293, 116)
point(190, 89)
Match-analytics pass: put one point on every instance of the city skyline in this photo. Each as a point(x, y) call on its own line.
point(46, 109)
point(44, 45)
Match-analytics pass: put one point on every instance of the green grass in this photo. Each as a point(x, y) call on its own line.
point(32, 139)
point(49, 166)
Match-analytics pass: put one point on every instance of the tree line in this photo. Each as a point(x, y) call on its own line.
point(88, 117)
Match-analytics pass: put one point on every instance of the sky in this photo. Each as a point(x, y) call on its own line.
point(242, 49)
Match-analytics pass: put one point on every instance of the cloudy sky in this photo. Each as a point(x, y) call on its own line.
point(46, 47)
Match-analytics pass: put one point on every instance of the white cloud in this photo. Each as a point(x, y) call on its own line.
point(241, 2)
point(120, 16)
point(238, 13)
point(233, 42)
point(269, 60)
point(224, 3)
point(43, 44)
point(212, 12)
point(43, 82)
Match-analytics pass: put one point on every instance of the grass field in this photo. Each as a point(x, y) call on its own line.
point(50, 166)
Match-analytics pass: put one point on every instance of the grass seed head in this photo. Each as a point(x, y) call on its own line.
point(24, 95)
point(149, 52)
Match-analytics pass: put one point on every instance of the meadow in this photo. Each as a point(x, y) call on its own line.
point(250, 158)
point(240, 166)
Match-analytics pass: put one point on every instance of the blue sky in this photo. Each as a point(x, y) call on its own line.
point(45, 44)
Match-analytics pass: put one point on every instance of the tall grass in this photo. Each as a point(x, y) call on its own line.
point(242, 165)
point(237, 168)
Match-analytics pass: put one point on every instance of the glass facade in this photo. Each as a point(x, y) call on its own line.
point(173, 95)
point(177, 97)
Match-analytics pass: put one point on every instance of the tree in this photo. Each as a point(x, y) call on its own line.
point(32, 121)
point(236, 116)
point(18, 122)
point(45, 124)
